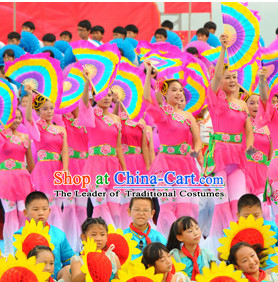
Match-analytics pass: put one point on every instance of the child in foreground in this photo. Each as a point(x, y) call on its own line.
point(142, 210)
point(97, 229)
point(186, 230)
point(157, 255)
point(247, 258)
point(37, 208)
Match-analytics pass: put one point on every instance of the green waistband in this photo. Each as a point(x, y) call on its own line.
point(259, 157)
point(131, 149)
point(209, 163)
point(11, 164)
point(48, 156)
point(181, 149)
point(77, 154)
point(102, 150)
point(275, 154)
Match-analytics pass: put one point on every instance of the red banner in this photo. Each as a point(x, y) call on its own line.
point(179, 7)
point(56, 17)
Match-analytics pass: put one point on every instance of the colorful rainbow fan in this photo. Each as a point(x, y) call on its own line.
point(248, 230)
point(212, 55)
point(247, 75)
point(21, 269)
point(129, 85)
point(56, 52)
point(221, 273)
point(243, 29)
point(73, 87)
point(161, 62)
point(145, 47)
point(18, 51)
point(125, 60)
point(97, 265)
point(41, 72)
point(199, 45)
point(32, 235)
point(29, 42)
point(101, 62)
point(269, 59)
point(125, 247)
point(8, 104)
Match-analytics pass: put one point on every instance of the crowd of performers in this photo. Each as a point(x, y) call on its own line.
point(94, 140)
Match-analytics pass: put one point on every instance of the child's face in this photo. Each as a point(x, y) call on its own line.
point(8, 58)
point(13, 41)
point(131, 34)
point(24, 102)
point(164, 264)
point(118, 35)
point(191, 236)
point(202, 37)
point(38, 210)
point(98, 233)
point(274, 100)
point(174, 93)
point(97, 35)
point(83, 33)
point(160, 38)
point(47, 258)
point(65, 38)
point(46, 111)
point(141, 212)
point(47, 43)
point(26, 28)
point(247, 260)
point(256, 211)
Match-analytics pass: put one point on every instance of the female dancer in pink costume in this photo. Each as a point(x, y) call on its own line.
point(52, 151)
point(225, 155)
point(105, 152)
point(178, 134)
point(257, 164)
point(75, 209)
point(268, 114)
point(136, 154)
point(15, 178)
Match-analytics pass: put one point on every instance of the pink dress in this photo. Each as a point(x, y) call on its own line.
point(102, 142)
point(256, 173)
point(176, 140)
point(15, 178)
point(269, 116)
point(132, 134)
point(226, 118)
point(49, 142)
point(77, 143)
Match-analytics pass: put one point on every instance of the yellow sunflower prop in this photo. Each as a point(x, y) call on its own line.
point(124, 246)
point(32, 235)
point(247, 230)
point(136, 272)
point(221, 273)
point(275, 259)
point(178, 267)
point(22, 269)
point(97, 265)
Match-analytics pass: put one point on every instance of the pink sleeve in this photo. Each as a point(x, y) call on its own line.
point(33, 130)
point(58, 119)
point(264, 114)
point(86, 116)
point(217, 101)
point(2, 141)
point(154, 110)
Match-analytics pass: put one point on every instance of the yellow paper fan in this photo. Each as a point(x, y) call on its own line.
point(12, 269)
point(32, 235)
point(275, 259)
point(223, 272)
point(125, 257)
point(135, 271)
point(250, 231)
